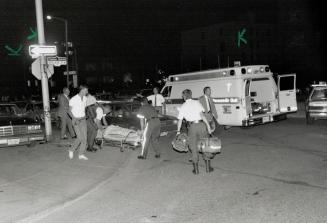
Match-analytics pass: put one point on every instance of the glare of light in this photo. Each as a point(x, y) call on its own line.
point(49, 17)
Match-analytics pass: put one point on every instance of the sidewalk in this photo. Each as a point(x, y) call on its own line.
point(36, 181)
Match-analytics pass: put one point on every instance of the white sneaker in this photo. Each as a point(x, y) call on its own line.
point(82, 157)
point(71, 154)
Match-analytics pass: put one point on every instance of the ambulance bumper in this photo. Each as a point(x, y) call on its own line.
point(264, 119)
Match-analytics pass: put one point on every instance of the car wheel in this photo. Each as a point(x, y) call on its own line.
point(309, 119)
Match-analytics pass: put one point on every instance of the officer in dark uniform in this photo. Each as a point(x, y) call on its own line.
point(150, 124)
point(197, 127)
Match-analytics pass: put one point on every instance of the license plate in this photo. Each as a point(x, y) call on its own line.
point(12, 142)
point(265, 119)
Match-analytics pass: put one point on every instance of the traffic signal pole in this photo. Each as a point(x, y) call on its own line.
point(67, 55)
point(44, 77)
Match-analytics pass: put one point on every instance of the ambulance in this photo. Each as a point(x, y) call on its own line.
point(243, 95)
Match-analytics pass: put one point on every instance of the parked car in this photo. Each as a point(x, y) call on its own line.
point(124, 114)
point(34, 110)
point(21, 105)
point(104, 96)
point(16, 129)
point(316, 104)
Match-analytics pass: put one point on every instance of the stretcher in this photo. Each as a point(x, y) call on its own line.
point(119, 137)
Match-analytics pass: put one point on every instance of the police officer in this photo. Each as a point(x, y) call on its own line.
point(198, 127)
point(150, 123)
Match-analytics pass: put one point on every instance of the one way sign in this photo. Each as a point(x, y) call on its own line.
point(37, 50)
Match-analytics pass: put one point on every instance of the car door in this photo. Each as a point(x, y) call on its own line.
point(287, 93)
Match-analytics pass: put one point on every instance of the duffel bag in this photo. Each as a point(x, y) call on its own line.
point(180, 143)
point(209, 145)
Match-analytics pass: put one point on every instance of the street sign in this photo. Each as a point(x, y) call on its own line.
point(36, 69)
point(73, 72)
point(37, 50)
point(56, 61)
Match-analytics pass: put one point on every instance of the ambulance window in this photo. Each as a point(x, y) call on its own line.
point(166, 91)
point(287, 83)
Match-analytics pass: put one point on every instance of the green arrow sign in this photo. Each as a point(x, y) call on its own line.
point(240, 37)
point(14, 52)
point(33, 34)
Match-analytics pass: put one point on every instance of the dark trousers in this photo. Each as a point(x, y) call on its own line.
point(197, 131)
point(92, 130)
point(66, 122)
point(151, 136)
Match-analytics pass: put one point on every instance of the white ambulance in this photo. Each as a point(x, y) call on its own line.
point(243, 96)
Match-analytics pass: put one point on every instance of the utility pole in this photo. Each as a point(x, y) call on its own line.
point(44, 77)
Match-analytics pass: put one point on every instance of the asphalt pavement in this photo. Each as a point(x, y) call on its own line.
point(270, 173)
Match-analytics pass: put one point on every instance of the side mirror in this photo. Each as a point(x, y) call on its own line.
point(253, 94)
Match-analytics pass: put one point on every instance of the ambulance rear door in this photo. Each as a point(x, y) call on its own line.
point(168, 106)
point(287, 93)
point(248, 97)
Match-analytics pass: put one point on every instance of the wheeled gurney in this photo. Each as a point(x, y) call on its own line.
point(116, 136)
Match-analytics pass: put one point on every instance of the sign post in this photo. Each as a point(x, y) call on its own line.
point(44, 77)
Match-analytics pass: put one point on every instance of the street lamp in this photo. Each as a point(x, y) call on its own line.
point(49, 17)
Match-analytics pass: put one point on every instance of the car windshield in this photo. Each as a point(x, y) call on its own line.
point(6, 110)
point(21, 104)
point(39, 106)
point(319, 94)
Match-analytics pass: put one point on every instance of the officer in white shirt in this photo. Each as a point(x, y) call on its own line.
point(157, 100)
point(198, 126)
point(77, 106)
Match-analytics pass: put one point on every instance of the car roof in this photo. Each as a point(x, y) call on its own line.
point(4, 103)
point(319, 87)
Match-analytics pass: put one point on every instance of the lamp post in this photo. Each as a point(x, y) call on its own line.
point(49, 17)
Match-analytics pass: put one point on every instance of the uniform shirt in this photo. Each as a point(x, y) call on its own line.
point(100, 114)
point(191, 110)
point(78, 106)
point(156, 100)
point(147, 112)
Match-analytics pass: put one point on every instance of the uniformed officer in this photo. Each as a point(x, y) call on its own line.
point(150, 123)
point(198, 127)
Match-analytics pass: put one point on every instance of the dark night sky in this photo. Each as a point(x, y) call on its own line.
point(139, 33)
